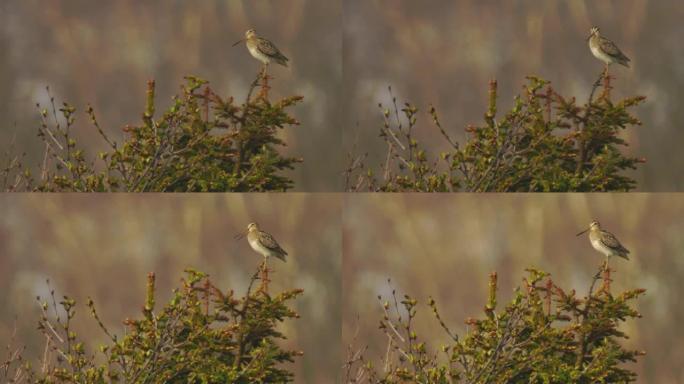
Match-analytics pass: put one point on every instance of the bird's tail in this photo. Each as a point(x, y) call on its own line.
point(624, 60)
point(624, 253)
point(282, 60)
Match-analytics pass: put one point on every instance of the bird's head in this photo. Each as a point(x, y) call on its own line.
point(594, 31)
point(250, 227)
point(593, 226)
point(248, 35)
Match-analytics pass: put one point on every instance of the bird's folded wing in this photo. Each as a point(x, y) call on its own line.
point(269, 242)
point(268, 49)
point(611, 241)
point(610, 48)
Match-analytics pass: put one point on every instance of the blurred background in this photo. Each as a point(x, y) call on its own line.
point(445, 246)
point(104, 52)
point(444, 52)
point(104, 246)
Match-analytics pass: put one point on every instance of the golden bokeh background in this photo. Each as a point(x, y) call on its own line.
point(445, 246)
point(444, 52)
point(103, 246)
point(103, 52)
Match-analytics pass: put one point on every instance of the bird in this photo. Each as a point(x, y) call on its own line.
point(605, 50)
point(263, 243)
point(605, 242)
point(262, 49)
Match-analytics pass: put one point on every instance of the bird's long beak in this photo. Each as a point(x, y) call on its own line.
point(582, 232)
point(240, 235)
point(238, 42)
point(590, 35)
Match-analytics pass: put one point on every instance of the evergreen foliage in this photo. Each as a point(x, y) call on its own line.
point(202, 335)
point(203, 142)
point(544, 335)
point(545, 143)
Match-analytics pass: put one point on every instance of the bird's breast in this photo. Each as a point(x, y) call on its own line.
point(254, 51)
point(596, 243)
point(599, 54)
point(253, 242)
point(599, 246)
point(258, 247)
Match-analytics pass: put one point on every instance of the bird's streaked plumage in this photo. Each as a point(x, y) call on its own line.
point(606, 50)
point(263, 243)
point(605, 242)
point(264, 50)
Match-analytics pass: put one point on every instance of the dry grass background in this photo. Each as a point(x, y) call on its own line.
point(444, 52)
point(445, 246)
point(104, 52)
point(440, 52)
point(103, 246)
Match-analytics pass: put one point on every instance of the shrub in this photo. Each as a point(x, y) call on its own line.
point(545, 143)
point(201, 143)
point(544, 335)
point(202, 335)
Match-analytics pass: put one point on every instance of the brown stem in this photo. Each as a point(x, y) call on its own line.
point(583, 336)
point(549, 287)
point(207, 94)
point(243, 313)
point(149, 300)
point(237, 168)
point(264, 277)
point(606, 277)
point(582, 145)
